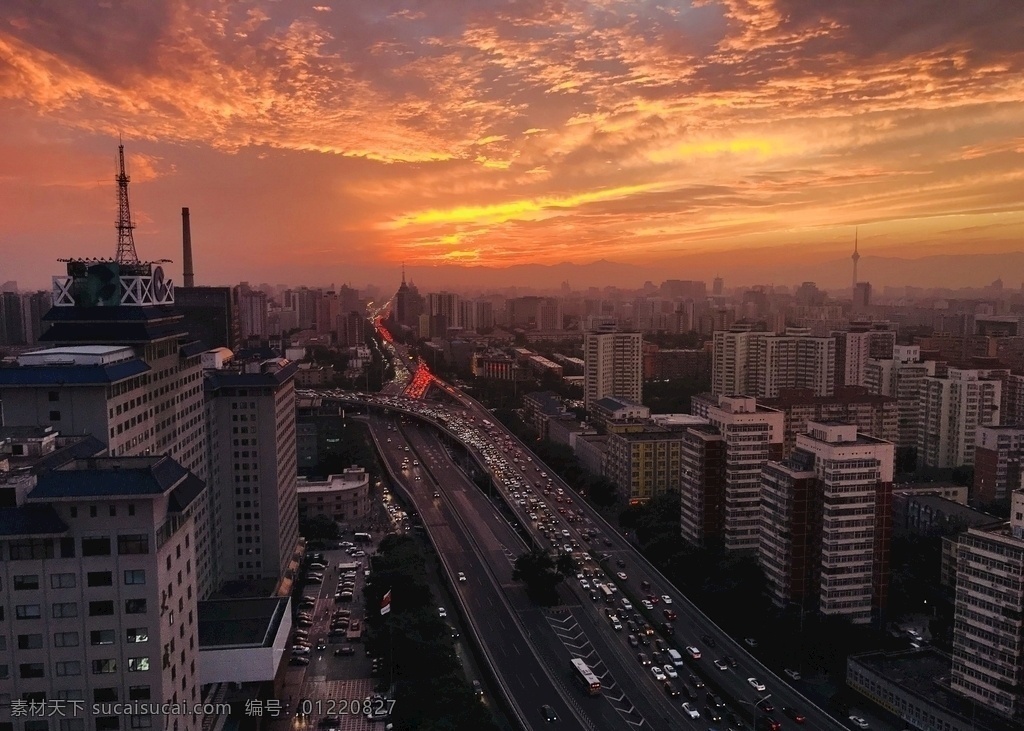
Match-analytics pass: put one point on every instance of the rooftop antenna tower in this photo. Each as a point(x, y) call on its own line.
point(125, 240)
point(855, 256)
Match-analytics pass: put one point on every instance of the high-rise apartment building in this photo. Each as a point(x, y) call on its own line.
point(857, 345)
point(702, 485)
point(873, 414)
point(613, 366)
point(997, 462)
point(250, 409)
point(827, 522)
point(754, 363)
point(753, 435)
point(796, 360)
point(988, 626)
point(98, 566)
point(902, 377)
point(952, 409)
point(644, 464)
point(446, 305)
point(733, 356)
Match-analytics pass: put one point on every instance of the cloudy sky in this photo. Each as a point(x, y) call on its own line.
point(329, 141)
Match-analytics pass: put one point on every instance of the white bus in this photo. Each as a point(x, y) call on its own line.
point(583, 675)
point(607, 594)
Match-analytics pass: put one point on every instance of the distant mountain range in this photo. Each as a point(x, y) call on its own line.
point(951, 271)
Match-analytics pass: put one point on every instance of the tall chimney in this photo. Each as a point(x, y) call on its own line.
point(186, 243)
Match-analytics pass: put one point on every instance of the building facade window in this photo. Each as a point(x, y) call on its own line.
point(104, 667)
point(96, 546)
point(138, 664)
point(67, 668)
point(63, 610)
point(101, 608)
point(102, 637)
point(26, 582)
point(138, 634)
point(63, 581)
point(135, 576)
point(28, 611)
point(135, 606)
point(99, 578)
point(65, 639)
point(132, 544)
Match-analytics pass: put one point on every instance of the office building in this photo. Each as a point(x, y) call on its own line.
point(997, 457)
point(343, 499)
point(613, 366)
point(827, 522)
point(252, 308)
point(988, 628)
point(250, 409)
point(443, 305)
point(210, 315)
point(123, 368)
point(98, 566)
point(952, 409)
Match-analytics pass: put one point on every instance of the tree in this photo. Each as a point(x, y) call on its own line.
point(318, 528)
point(541, 576)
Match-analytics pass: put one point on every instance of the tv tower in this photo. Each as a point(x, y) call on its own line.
point(125, 240)
point(855, 257)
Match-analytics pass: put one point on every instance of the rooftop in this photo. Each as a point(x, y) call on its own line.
point(252, 622)
point(113, 477)
point(71, 373)
point(925, 673)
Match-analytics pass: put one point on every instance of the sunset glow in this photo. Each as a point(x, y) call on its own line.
point(348, 137)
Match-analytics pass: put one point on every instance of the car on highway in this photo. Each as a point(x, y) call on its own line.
point(300, 650)
point(721, 664)
point(794, 714)
point(442, 612)
point(691, 711)
point(756, 684)
point(658, 673)
point(643, 658)
point(647, 604)
point(345, 650)
point(792, 674)
point(548, 713)
point(708, 639)
point(750, 642)
point(697, 682)
point(670, 670)
point(731, 660)
point(694, 652)
point(298, 660)
point(633, 642)
point(462, 576)
point(622, 576)
point(670, 689)
point(765, 705)
point(666, 599)
point(859, 722)
point(713, 714)
point(321, 645)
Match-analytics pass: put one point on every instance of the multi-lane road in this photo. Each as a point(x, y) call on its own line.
point(528, 648)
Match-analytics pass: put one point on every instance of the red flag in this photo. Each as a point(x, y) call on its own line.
point(385, 603)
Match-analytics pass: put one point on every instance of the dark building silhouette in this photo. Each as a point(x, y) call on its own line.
point(210, 315)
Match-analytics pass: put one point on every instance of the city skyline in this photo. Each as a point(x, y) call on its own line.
point(347, 139)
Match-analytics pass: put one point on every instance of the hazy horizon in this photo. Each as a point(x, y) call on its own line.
point(332, 142)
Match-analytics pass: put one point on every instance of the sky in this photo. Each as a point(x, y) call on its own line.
point(332, 141)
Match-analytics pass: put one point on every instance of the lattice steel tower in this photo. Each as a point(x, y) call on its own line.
point(125, 240)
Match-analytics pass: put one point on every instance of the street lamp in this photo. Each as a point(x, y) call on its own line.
point(755, 707)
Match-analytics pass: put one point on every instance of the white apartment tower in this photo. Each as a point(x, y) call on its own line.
point(753, 435)
point(98, 566)
point(988, 627)
point(612, 366)
point(796, 360)
point(951, 410)
point(902, 377)
point(826, 525)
